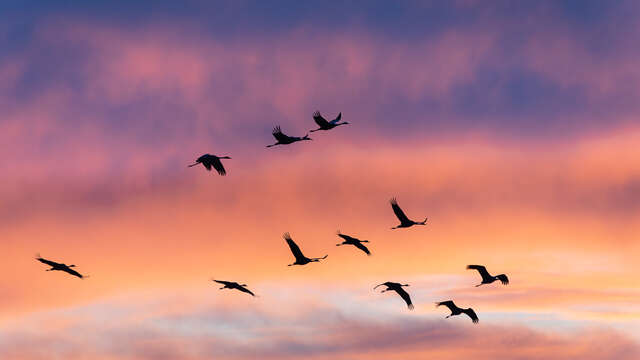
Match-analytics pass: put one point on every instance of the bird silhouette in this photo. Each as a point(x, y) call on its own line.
point(327, 125)
point(457, 311)
point(285, 139)
point(397, 287)
point(234, 285)
point(209, 160)
point(60, 267)
point(297, 253)
point(404, 220)
point(488, 278)
point(348, 240)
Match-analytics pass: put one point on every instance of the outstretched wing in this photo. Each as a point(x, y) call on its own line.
point(482, 270)
point(73, 272)
point(222, 282)
point(244, 289)
point(399, 213)
point(322, 122)
point(405, 296)
point(293, 246)
point(335, 121)
point(48, 262)
point(448, 304)
point(503, 278)
point(347, 237)
point(217, 164)
point(359, 245)
point(277, 133)
point(471, 314)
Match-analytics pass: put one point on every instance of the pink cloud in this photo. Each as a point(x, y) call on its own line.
point(250, 329)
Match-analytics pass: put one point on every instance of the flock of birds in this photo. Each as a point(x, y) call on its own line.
point(212, 161)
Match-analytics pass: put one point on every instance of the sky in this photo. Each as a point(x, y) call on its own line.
point(514, 126)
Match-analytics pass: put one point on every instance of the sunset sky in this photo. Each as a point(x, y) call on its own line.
point(513, 125)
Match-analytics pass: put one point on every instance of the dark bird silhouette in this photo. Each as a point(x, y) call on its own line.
point(234, 285)
point(327, 125)
point(348, 240)
point(60, 267)
point(457, 311)
point(404, 220)
point(300, 258)
point(285, 139)
point(488, 278)
point(397, 287)
point(209, 160)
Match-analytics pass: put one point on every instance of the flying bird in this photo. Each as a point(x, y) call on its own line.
point(285, 139)
point(209, 160)
point(488, 278)
point(404, 220)
point(60, 267)
point(397, 287)
point(234, 285)
point(327, 125)
point(457, 311)
point(300, 258)
point(348, 240)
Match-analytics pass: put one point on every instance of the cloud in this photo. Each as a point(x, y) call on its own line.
point(215, 326)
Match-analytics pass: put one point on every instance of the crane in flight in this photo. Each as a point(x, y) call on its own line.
point(486, 277)
point(404, 220)
point(297, 253)
point(209, 160)
point(285, 139)
point(234, 285)
point(324, 124)
point(348, 240)
point(60, 267)
point(457, 311)
point(397, 287)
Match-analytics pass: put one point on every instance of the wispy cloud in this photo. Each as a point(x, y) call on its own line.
point(242, 328)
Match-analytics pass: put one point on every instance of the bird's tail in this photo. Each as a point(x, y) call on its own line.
point(192, 165)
